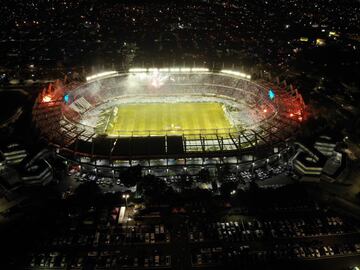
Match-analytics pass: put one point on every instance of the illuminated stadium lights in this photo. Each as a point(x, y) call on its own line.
point(46, 99)
point(199, 69)
point(99, 75)
point(173, 69)
point(236, 73)
point(137, 70)
point(165, 116)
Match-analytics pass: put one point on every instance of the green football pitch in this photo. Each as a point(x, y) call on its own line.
point(188, 118)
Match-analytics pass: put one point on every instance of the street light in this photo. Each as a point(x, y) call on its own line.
point(125, 196)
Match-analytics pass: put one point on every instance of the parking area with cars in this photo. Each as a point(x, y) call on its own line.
point(81, 177)
point(255, 229)
point(97, 241)
point(241, 237)
point(242, 255)
point(98, 260)
point(113, 182)
point(308, 233)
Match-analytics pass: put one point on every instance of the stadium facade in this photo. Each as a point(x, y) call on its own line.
point(78, 119)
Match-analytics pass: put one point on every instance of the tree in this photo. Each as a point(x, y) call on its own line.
point(227, 187)
point(131, 176)
point(253, 187)
point(185, 182)
point(88, 193)
point(223, 171)
point(153, 188)
point(204, 176)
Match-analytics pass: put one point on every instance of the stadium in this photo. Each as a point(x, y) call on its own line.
point(163, 117)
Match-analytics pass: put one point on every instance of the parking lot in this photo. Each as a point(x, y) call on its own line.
point(114, 183)
point(98, 260)
point(310, 233)
point(313, 225)
point(194, 239)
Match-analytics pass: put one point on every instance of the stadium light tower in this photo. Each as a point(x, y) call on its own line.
point(126, 197)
